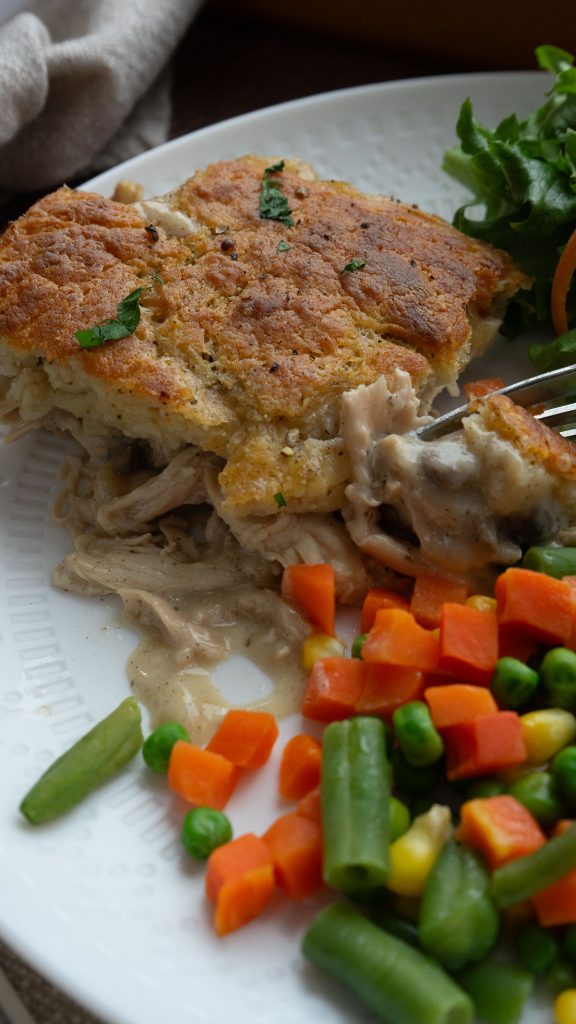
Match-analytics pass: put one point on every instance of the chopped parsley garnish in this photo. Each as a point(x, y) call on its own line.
point(124, 324)
point(283, 247)
point(273, 202)
point(354, 265)
point(280, 500)
point(158, 280)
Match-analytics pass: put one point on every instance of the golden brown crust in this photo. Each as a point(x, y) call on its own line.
point(534, 440)
point(240, 338)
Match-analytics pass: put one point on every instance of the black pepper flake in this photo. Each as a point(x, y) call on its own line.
point(365, 224)
point(412, 262)
point(274, 367)
point(152, 230)
point(227, 244)
point(234, 256)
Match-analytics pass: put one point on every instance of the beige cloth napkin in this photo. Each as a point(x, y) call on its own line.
point(83, 85)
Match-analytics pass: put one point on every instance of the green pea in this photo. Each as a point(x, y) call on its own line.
point(399, 818)
point(158, 747)
point(536, 949)
point(513, 683)
point(419, 739)
point(558, 675)
point(539, 793)
point(564, 772)
point(356, 650)
point(203, 830)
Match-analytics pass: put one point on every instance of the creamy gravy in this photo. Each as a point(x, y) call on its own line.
point(188, 693)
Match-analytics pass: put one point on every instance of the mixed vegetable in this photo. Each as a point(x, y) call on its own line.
point(440, 802)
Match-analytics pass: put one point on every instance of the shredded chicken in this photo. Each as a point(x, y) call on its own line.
point(181, 483)
point(309, 538)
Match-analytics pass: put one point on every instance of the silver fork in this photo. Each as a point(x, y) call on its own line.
point(546, 387)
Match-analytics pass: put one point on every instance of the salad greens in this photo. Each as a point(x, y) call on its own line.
point(523, 174)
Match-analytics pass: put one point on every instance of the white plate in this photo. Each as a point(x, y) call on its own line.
point(103, 902)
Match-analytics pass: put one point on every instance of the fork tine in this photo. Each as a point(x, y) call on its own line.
point(559, 416)
point(532, 391)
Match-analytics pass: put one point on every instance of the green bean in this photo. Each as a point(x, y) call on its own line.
point(513, 683)
point(536, 948)
point(419, 740)
point(499, 991)
point(397, 982)
point(553, 561)
point(158, 746)
point(523, 878)
point(94, 758)
point(355, 799)
point(396, 925)
point(458, 919)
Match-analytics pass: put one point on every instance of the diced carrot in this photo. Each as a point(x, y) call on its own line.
point(430, 593)
point(375, 600)
point(535, 604)
point(313, 589)
point(458, 702)
point(310, 806)
point(244, 899)
point(500, 827)
point(240, 881)
point(201, 776)
point(245, 737)
point(333, 688)
point(561, 285)
point(468, 642)
point(397, 639)
point(476, 389)
point(490, 743)
point(556, 905)
point(300, 766)
point(387, 687)
point(295, 843)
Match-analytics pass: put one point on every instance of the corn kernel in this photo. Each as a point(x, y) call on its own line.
point(482, 602)
point(565, 1007)
point(319, 645)
point(545, 732)
point(414, 854)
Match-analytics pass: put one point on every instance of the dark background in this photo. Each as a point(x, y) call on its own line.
point(241, 55)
